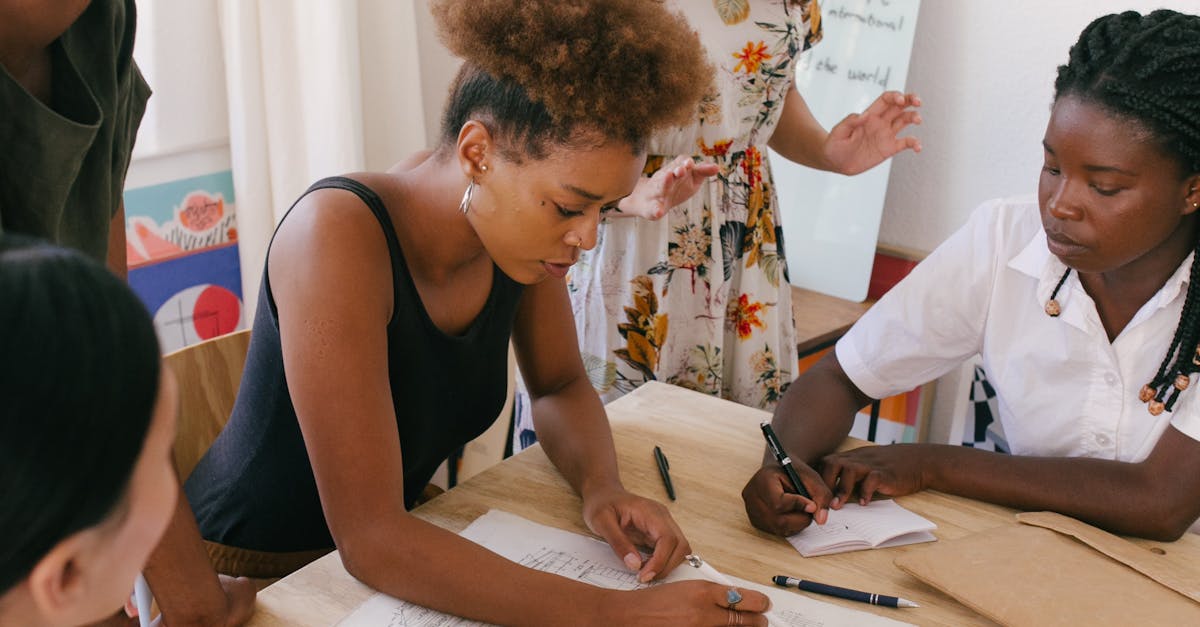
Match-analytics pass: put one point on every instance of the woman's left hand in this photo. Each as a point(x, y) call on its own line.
point(670, 187)
point(862, 141)
point(627, 521)
point(892, 470)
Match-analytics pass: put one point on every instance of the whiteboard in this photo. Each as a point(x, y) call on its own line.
point(831, 222)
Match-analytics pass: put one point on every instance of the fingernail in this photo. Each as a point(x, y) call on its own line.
point(633, 561)
point(647, 576)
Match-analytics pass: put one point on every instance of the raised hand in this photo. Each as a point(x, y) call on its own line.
point(862, 141)
point(674, 183)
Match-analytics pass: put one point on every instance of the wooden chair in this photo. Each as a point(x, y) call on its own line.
point(208, 374)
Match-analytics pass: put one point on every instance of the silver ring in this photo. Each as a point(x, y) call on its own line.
point(733, 597)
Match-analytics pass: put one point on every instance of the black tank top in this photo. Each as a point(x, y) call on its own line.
point(254, 489)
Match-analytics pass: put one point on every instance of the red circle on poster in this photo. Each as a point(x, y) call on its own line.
point(217, 312)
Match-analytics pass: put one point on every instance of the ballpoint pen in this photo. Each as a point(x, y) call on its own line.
point(784, 460)
point(663, 465)
point(842, 593)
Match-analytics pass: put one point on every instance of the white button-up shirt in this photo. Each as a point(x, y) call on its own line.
point(1063, 389)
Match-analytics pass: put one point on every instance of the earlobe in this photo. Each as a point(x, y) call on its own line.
point(56, 583)
point(1191, 199)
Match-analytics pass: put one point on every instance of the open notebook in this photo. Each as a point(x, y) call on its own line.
point(854, 528)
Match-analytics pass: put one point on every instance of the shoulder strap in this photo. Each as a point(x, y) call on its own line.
point(378, 209)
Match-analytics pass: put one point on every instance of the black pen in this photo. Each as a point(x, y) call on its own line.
point(662, 470)
point(784, 460)
point(842, 593)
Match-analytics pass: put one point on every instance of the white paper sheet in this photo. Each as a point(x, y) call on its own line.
point(587, 559)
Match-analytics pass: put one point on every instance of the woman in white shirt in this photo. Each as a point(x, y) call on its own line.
point(1081, 303)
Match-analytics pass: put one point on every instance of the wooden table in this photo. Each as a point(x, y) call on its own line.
point(713, 446)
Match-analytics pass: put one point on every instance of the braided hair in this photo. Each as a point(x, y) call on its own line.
point(1147, 68)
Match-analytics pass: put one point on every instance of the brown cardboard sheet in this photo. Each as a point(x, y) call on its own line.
point(1054, 570)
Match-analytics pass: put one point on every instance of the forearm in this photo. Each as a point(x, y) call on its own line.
point(182, 577)
point(574, 431)
point(798, 136)
point(440, 570)
point(1116, 496)
point(817, 411)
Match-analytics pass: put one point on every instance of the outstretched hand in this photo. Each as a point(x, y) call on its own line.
point(627, 521)
point(674, 183)
point(862, 141)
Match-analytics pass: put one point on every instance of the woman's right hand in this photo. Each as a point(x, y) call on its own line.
point(698, 603)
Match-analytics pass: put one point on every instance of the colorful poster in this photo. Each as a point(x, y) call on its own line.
point(181, 246)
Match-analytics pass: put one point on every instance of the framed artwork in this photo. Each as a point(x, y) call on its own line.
point(181, 246)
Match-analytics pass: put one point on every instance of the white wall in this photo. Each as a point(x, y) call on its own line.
point(185, 131)
point(985, 70)
point(392, 127)
point(438, 68)
point(186, 127)
point(178, 49)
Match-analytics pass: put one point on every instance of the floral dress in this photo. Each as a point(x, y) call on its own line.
point(700, 298)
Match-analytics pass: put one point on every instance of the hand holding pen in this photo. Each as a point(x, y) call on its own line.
point(777, 499)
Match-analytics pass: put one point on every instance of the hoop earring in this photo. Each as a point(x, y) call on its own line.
point(466, 199)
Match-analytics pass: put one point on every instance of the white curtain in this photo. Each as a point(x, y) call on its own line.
point(315, 88)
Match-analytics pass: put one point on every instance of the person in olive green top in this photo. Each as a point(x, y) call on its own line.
point(71, 100)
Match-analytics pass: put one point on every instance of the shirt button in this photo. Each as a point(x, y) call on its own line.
point(1110, 378)
point(1103, 440)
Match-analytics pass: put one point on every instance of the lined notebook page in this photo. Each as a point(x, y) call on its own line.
point(854, 527)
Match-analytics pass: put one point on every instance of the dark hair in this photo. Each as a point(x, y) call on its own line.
point(1147, 68)
point(79, 368)
point(568, 72)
